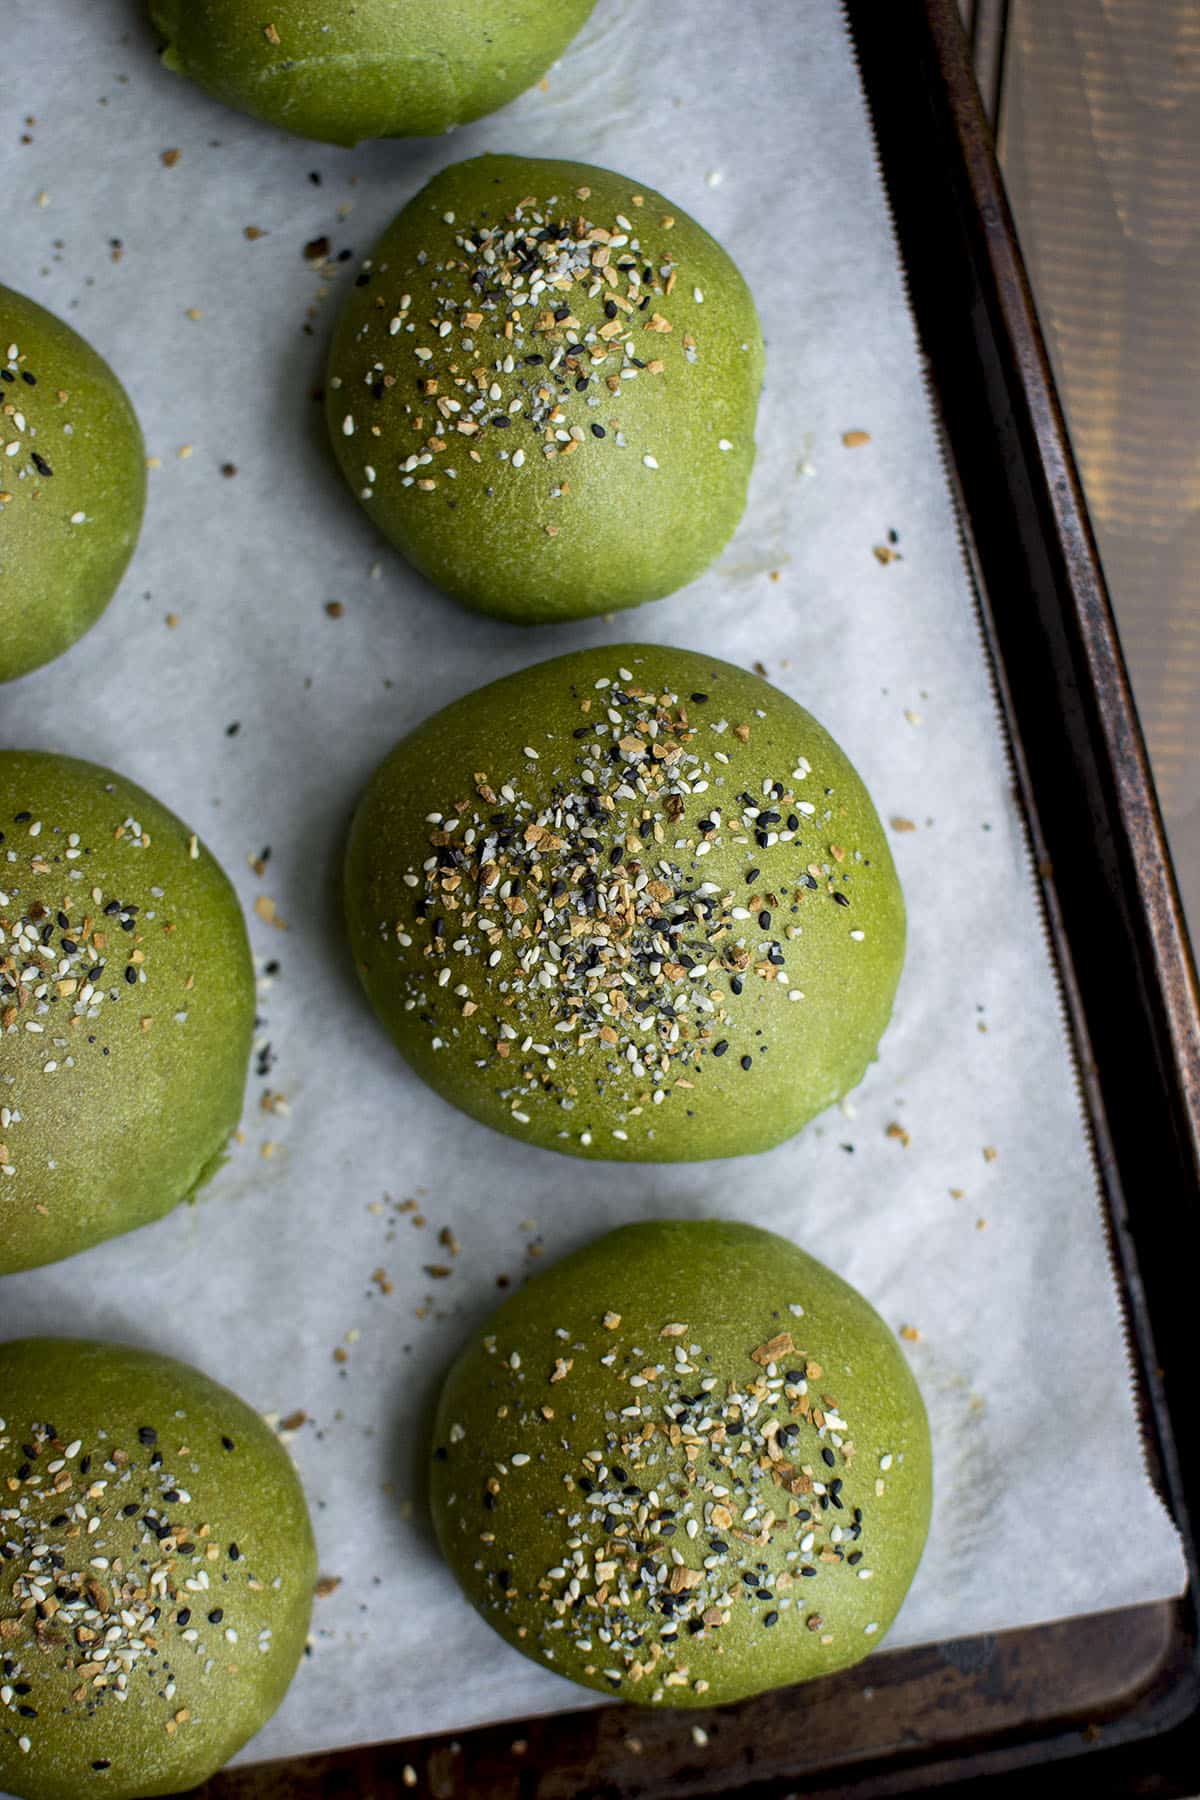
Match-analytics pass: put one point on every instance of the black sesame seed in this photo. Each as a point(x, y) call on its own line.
point(227, 1443)
point(41, 465)
point(183, 1615)
point(747, 1062)
point(842, 899)
point(771, 1618)
point(598, 430)
point(147, 1433)
point(216, 1615)
point(828, 1458)
point(855, 1556)
point(808, 1569)
point(501, 421)
point(131, 974)
point(764, 920)
point(720, 1047)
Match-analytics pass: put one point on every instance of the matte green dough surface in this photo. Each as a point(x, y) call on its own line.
point(632, 903)
point(126, 1008)
point(687, 1464)
point(543, 389)
point(167, 1522)
point(376, 68)
point(71, 495)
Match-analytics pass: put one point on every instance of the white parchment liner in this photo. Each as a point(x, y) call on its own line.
point(982, 1231)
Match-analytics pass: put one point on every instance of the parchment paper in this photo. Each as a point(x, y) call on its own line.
point(975, 1224)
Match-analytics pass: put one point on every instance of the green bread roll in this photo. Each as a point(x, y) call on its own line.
point(632, 903)
point(157, 1576)
point(378, 68)
point(126, 1008)
point(71, 493)
point(686, 1465)
point(543, 388)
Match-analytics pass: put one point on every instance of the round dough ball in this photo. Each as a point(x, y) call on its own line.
point(632, 903)
point(543, 388)
point(71, 497)
point(378, 68)
point(121, 1472)
point(126, 1008)
point(686, 1465)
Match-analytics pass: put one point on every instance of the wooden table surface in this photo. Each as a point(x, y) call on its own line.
point(1099, 137)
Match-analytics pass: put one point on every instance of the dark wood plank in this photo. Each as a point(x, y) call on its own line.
point(1101, 151)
